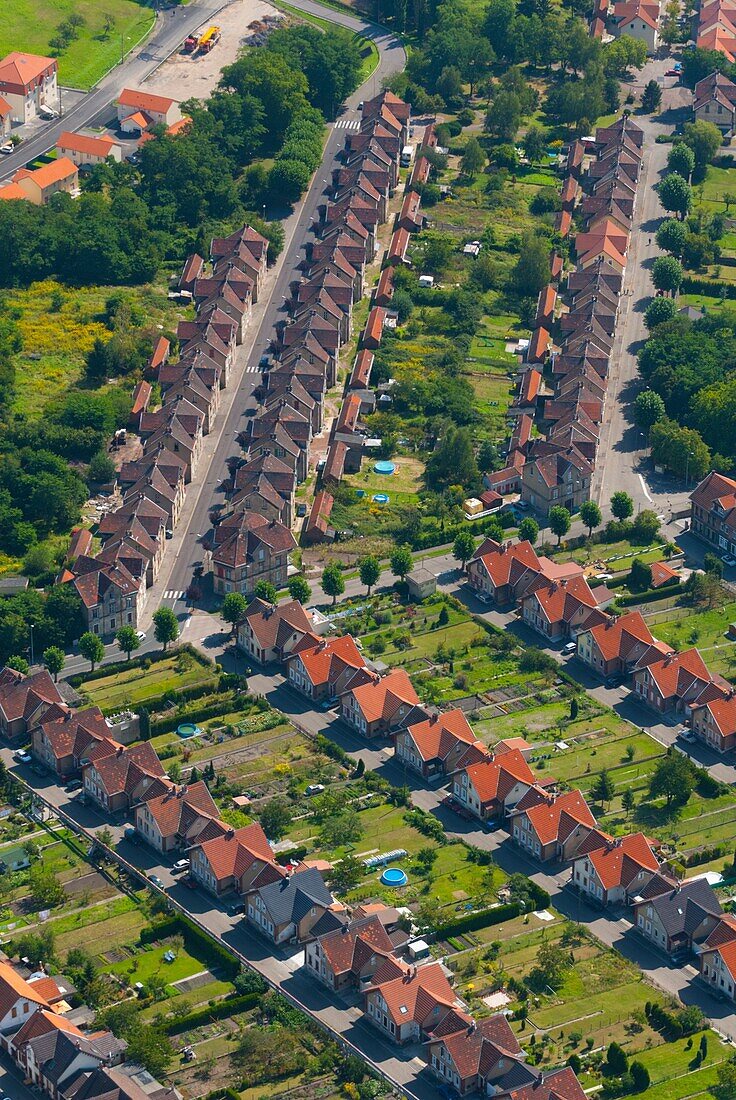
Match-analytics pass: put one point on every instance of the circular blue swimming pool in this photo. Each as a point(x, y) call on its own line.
point(381, 498)
point(384, 467)
point(187, 729)
point(394, 876)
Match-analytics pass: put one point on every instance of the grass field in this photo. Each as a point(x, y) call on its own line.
point(59, 325)
point(152, 963)
point(136, 686)
point(29, 25)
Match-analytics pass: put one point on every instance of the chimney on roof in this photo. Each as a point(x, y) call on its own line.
point(120, 751)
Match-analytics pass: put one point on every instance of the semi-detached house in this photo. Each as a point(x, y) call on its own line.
point(380, 704)
point(491, 788)
point(553, 826)
point(612, 871)
point(717, 958)
point(323, 669)
point(438, 745)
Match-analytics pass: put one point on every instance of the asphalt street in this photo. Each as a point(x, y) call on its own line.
point(172, 27)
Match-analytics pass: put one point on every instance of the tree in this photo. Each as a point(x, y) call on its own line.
point(474, 159)
point(275, 818)
point(532, 270)
point(299, 589)
point(529, 530)
point(622, 506)
point(332, 582)
point(105, 837)
point(725, 1083)
point(559, 521)
point(369, 569)
point(101, 468)
point(453, 463)
point(46, 890)
point(165, 626)
point(591, 515)
point(343, 828)
point(265, 591)
point(651, 97)
point(617, 1063)
point(675, 194)
point(128, 640)
point(551, 963)
point(54, 659)
point(603, 790)
point(287, 179)
point(347, 874)
point(463, 547)
point(667, 273)
point(18, 663)
point(535, 143)
point(671, 236)
point(401, 561)
point(504, 117)
point(640, 576)
point(233, 608)
point(648, 406)
point(628, 800)
point(673, 777)
point(682, 450)
point(713, 564)
point(91, 648)
point(704, 139)
point(681, 159)
point(660, 310)
point(645, 527)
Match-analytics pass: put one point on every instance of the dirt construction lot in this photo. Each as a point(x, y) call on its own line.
point(186, 76)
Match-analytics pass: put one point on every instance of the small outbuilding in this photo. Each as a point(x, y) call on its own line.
point(421, 584)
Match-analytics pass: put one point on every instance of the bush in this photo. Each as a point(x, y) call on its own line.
point(221, 1010)
point(650, 594)
point(485, 918)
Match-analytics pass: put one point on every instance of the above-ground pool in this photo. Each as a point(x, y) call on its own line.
point(381, 498)
point(384, 467)
point(394, 876)
point(187, 729)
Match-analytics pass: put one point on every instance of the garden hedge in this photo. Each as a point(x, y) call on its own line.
point(195, 941)
point(483, 919)
point(229, 1006)
point(713, 287)
point(650, 594)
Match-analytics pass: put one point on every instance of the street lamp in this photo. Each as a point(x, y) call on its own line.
point(31, 625)
point(687, 468)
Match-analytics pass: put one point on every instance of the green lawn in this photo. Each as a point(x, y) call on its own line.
point(136, 686)
point(151, 963)
point(29, 25)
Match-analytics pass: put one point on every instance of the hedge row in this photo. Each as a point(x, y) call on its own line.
point(474, 921)
point(213, 708)
point(196, 943)
point(650, 594)
point(293, 853)
point(143, 661)
point(219, 1011)
point(713, 287)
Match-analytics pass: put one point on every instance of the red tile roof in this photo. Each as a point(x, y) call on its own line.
point(619, 637)
point(145, 101)
point(81, 143)
point(617, 862)
point(413, 993)
point(555, 819)
point(61, 168)
point(439, 734)
point(382, 698)
point(506, 563)
point(234, 851)
point(494, 779)
point(325, 659)
point(662, 573)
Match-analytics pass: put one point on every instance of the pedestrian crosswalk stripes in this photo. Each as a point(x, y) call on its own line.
point(173, 594)
point(347, 124)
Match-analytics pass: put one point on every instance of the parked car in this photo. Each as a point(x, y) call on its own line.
point(614, 681)
point(236, 908)
point(7, 148)
point(189, 882)
point(181, 865)
point(569, 647)
point(729, 560)
point(686, 734)
point(157, 881)
point(140, 635)
point(74, 785)
point(22, 756)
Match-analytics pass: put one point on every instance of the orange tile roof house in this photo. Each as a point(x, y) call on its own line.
point(503, 571)
point(81, 149)
point(175, 819)
point(40, 184)
point(18, 999)
point(559, 609)
point(225, 859)
point(25, 701)
point(557, 1084)
point(438, 745)
point(677, 681)
point(156, 109)
point(27, 83)
point(323, 669)
point(268, 632)
point(491, 788)
point(61, 743)
point(118, 778)
point(615, 647)
point(717, 958)
point(611, 870)
point(349, 955)
point(380, 705)
point(479, 1057)
point(407, 1002)
point(714, 720)
point(554, 827)
point(713, 512)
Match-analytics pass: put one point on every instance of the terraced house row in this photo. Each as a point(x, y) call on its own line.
point(151, 489)
point(562, 388)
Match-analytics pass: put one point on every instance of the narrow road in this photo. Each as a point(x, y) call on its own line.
point(185, 549)
point(172, 27)
point(620, 464)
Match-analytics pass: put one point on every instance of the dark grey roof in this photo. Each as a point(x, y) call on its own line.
point(328, 922)
point(519, 1075)
point(55, 1051)
point(291, 898)
point(682, 909)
